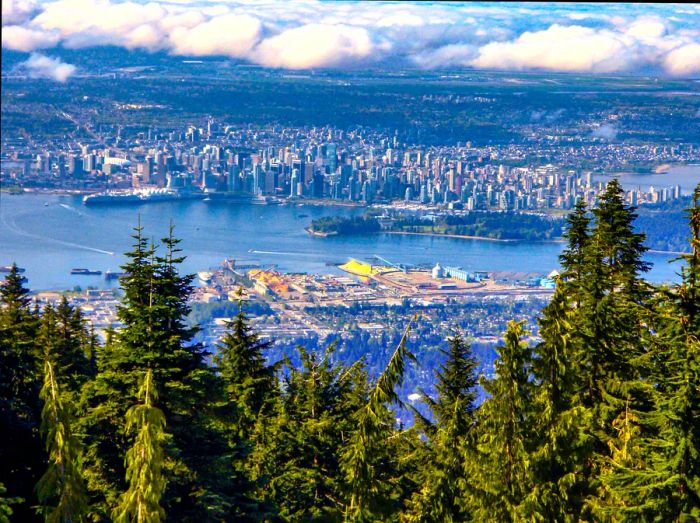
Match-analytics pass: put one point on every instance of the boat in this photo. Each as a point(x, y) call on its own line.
point(110, 275)
point(85, 272)
point(112, 198)
point(260, 200)
point(137, 196)
point(205, 276)
point(8, 268)
point(46, 204)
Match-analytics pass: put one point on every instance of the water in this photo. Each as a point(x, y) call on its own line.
point(50, 240)
point(687, 176)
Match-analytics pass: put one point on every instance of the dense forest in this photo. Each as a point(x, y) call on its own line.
point(599, 421)
point(660, 223)
point(331, 225)
point(496, 225)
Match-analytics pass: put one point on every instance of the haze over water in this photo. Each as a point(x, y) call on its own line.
point(50, 240)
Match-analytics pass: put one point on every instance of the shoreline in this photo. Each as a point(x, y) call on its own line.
point(655, 251)
point(319, 234)
point(466, 237)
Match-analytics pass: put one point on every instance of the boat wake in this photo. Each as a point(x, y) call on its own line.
point(12, 225)
point(282, 253)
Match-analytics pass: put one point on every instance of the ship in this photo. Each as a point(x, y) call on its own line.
point(85, 272)
point(110, 275)
point(260, 200)
point(8, 268)
point(137, 196)
point(205, 276)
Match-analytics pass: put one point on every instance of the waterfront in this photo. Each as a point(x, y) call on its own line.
point(687, 176)
point(51, 234)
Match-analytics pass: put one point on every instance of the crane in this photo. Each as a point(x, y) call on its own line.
point(400, 267)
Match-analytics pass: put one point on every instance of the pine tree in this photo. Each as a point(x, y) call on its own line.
point(248, 380)
point(561, 449)
point(303, 450)
point(610, 326)
point(21, 449)
point(369, 466)
point(64, 333)
point(441, 498)
point(249, 393)
point(6, 505)
point(672, 483)
point(573, 257)
point(502, 478)
point(144, 460)
point(61, 490)
point(78, 343)
point(106, 398)
point(155, 335)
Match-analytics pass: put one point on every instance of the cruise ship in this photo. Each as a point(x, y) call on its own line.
point(135, 196)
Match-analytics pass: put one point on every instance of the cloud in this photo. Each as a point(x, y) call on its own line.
point(315, 45)
point(558, 48)
point(609, 38)
point(446, 56)
point(42, 66)
point(17, 11)
point(646, 28)
point(684, 61)
point(606, 131)
point(19, 38)
point(228, 35)
point(549, 116)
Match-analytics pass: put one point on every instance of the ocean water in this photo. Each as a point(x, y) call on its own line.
point(49, 235)
point(687, 176)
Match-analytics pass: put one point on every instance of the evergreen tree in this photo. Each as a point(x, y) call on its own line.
point(303, 449)
point(106, 398)
point(502, 479)
point(21, 449)
point(368, 462)
point(573, 258)
point(609, 322)
point(560, 447)
point(248, 380)
point(250, 389)
point(155, 335)
point(144, 460)
point(75, 355)
point(442, 498)
point(6, 505)
point(64, 333)
point(61, 490)
point(672, 483)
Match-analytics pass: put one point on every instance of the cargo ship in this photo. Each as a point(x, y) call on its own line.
point(85, 272)
point(8, 268)
point(110, 275)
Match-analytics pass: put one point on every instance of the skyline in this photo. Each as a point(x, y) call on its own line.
point(657, 39)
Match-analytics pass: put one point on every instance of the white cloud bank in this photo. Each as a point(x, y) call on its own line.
point(315, 45)
point(42, 66)
point(664, 39)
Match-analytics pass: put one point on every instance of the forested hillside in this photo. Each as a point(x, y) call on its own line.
point(599, 421)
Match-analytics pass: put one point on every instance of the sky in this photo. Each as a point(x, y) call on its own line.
point(659, 39)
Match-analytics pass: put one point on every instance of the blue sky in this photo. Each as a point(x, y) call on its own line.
point(661, 39)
